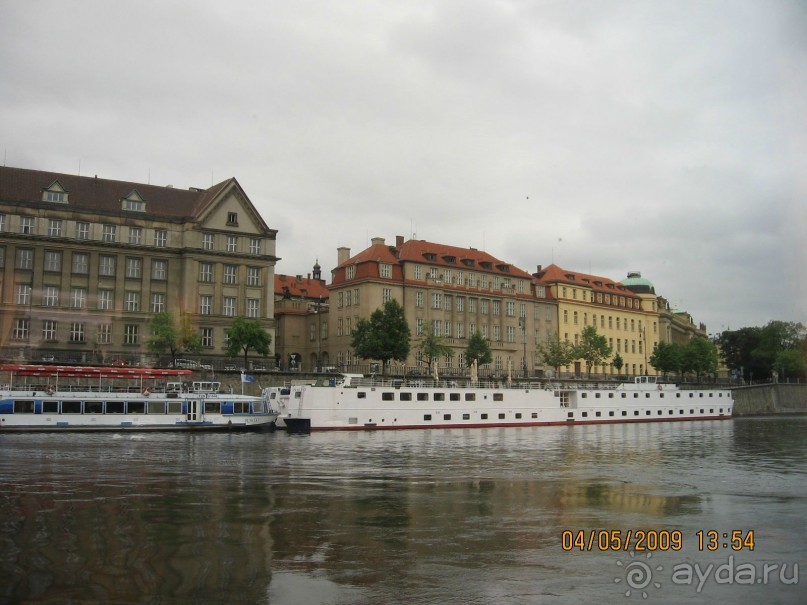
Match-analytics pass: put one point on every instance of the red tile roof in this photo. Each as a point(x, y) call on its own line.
point(557, 275)
point(301, 287)
point(21, 185)
point(421, 251)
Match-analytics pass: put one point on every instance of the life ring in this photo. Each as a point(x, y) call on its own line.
point(659, 387)
point(146, 392)
point(50, 390)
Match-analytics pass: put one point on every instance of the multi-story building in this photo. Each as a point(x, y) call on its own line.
point(628, 319)
point(86, 262)
point(448, 291)
point(301, 313)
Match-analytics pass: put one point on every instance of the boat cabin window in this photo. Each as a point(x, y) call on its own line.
point(93, 407)
point(114, 407)
point(423, 396)
point(406, 397)
point(175, 407)
point(173, 387)
point(157, 407)
point(24, 406)
point(454, 396)
point(136, 407)
point(439, 396)
point(71, 407)
point(387, 396)
point(470, 396)
point(498, 396)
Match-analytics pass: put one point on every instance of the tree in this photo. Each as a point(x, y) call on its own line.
point(557, 353)
point(700, 356)
point(246, 334)
point(593, 348)
point(433, 347)
point(754, 351)
point(618, 362)
point(478, 350)
point(666, 358)
point(791, 364)
point(385, 336)
point(167, 338)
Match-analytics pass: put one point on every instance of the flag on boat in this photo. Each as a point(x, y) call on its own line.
point(247, 378)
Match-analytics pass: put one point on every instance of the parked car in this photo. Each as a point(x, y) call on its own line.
point(206, 366)
point(230, 367)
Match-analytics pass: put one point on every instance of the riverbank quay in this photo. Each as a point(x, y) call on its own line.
point(770, 399)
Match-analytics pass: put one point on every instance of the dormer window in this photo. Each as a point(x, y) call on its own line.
point(134, 203)
point(232, 218)
point(55, 193)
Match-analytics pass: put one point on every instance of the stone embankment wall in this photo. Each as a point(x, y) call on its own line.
point(770, 399)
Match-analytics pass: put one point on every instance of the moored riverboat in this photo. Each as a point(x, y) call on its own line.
point(353, 402)
point(84, 398)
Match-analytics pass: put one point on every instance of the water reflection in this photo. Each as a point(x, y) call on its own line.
point(470, 516)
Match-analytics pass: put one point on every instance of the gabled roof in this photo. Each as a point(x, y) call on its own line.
point(21, 185)
point(557, 275)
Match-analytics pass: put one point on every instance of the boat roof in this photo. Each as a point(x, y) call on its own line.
point(92, 371)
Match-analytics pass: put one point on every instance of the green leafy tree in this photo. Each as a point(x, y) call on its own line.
point(166, 337)
point(700, 356)
point(433, 347)
point(618, 362)
point(593, 348)
point(557, 353)
point(245, 335)
point(666, 358)
point(791, 364)
point(478, 350)
point(385, 336)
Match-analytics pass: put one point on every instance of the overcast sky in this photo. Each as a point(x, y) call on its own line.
point(604, 136)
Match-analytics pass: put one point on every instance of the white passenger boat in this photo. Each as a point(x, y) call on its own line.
point(82, 398)
point(352, 402)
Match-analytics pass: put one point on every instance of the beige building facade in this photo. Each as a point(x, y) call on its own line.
point(86, 262)
point(302, 322)
point(449, 291)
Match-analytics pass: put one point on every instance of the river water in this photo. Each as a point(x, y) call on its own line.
point(441, 516)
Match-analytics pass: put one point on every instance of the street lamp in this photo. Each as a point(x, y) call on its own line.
point(522, 321)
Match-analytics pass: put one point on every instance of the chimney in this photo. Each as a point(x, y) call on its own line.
point(399, 240)
point(539, 268)
point(342, 254)
point(377, 241)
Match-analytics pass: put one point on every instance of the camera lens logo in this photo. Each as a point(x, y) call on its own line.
point(638, 575)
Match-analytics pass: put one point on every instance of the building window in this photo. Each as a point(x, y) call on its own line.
point(50, 296)
point(2, 222)
point(76, 332)
point(107, 265)
point(386, 295)
point(511, 309)
point(206, 272)
point(496, 307)
point(160, 238)
point(81, 263)
point(511, 334)
point(253, 307)
point(253, 276)
point(229, 306)
point(25, 258)
point(49, 330)
point(157, 302)
point(131, 334)
point(134, 205)
point(110, 233)
point(104, 334)
point(134, 267)
point(205, 304)
point(437, 300)
point(132, 301)
point(159, 269)
point(419, 299)
point(82, 230)
point(27, 225)
point(21, 329)
point(206, 336)
point(136, 235)
point(232, 243)
point(55, 227)
point(230, 274)
point(53, 260)
point(22, 294)
point(232, 218)
point(385, 270)
point(207, 241)
point(105, 300)
point(78, 298)
point(254, 245)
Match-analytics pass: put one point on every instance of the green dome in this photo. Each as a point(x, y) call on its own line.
point(638, 284)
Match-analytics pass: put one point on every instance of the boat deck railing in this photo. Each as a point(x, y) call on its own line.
point(462, 383)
